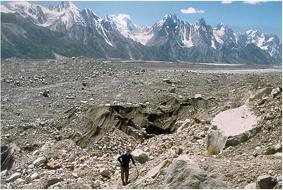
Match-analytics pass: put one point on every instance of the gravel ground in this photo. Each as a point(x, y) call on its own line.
point(39, 95)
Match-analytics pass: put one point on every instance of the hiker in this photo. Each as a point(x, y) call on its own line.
point(124, 161)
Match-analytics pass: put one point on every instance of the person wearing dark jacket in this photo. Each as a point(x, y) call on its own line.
point(124, 161)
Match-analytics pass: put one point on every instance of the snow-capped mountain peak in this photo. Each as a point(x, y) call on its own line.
point(129, 29)
point(201, 21)
point(253, 33)
point(4, 9)
point(26, 9)
point(170, 16)
point(220, 25)
point(64, 13)
point(267, 42)
point(169, 21)
point(170, 32)
point(65, 5)
point(19, 4)
point(89, 16)
point(123, 23)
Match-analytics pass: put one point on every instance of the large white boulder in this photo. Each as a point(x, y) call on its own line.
point(231, 127)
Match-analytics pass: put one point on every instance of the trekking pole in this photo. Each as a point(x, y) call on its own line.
point(137, 172)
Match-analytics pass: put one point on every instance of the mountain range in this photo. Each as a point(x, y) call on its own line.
point(29, 30)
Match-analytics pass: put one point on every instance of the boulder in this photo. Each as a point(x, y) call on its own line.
point(231, 128)
point(96, 184)
point(19, 181)
point(13, 177)
point(182, 124)
point(140, 156)
point(3, 173)
point(84, 83)
point(53, 164)
point(273, 149)
point(179, 150)
point(31, 166)
point(198, 96)
point(51, 181)
point(216, 141)
point(237, 139)
point(146, 149)
point(28, 179)
point(39, 161)
point(260, 94)
point(35, 152)
point(276, 91)
point(168, 81)
point(265, 182)
point(279, 182)
point(45, 93)
point(172, 90)
point(250, 186)
point(7, 158)
point(105, 173)
point(154, 172)
point(34, 176)
point(278, 155)
point(183, 173)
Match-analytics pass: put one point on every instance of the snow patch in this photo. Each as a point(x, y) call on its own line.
point(187, 42)
point(219, 34)
point(213, 44)
point(122, 23)
point(263, 41)
point(105, 36)
point(130, 30)
point(66, 13)
point(6, 10)
point(270, 39)
point(142, 37)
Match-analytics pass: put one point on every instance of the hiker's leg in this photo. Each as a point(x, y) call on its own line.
point(123, 175)
point(127, 174)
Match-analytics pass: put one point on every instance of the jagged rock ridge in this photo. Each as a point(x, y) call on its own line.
point(116, 36)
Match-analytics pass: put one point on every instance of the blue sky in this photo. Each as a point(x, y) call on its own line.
point(240, 16)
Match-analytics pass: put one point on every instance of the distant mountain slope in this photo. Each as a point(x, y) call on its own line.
point(21, 38)
point(116, 36)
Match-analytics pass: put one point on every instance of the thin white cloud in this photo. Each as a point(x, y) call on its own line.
point(191, 10)
point(227, 2)
point(254, 2)
point(251, 2)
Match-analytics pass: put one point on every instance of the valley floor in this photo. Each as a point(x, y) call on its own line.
point(46, 107)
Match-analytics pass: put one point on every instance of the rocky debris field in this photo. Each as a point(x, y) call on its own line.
point(64, 122)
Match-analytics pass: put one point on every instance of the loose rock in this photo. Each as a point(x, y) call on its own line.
point(183, 173)
point(105, 173)
point(14, 177)
point(265, 182)
point(39, 161)
point(140, 156)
